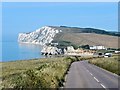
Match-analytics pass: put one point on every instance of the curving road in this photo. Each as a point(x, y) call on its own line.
point(85, 75)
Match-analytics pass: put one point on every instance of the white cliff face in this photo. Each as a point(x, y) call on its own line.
point(51, 50)
point(41, 36)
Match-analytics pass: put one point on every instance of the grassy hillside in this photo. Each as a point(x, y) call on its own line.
point(88, 38)
point(36, 73)
point(85, 30)
point(83, 36)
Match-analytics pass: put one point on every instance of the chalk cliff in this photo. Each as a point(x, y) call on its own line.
point(40, 36)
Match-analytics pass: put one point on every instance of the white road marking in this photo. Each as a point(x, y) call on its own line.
point(102, 85)
point(96, 79)
point(91, 74)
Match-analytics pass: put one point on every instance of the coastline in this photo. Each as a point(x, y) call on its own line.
point(12, 51)
point(30, 43)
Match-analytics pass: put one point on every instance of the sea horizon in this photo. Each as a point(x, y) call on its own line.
point(14, 51)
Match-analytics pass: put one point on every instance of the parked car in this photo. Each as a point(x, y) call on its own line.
point(108, 54)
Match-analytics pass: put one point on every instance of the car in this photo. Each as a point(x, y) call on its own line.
point(108, 54)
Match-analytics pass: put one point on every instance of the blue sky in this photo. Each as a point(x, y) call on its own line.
point(26, 17)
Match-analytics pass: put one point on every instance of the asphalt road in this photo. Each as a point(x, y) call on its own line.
point(85, 75)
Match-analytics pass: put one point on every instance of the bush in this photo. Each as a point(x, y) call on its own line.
point(84, 46)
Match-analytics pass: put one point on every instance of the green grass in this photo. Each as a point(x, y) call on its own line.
point(48, 72)
point(111, 64)
point(38, 73)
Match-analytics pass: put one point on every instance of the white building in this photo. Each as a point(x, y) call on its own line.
point(98, 47)
point(117, 52)
point(70, 48)
point(55, 44)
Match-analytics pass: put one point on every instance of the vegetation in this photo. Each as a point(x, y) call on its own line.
point(48, 72)
point(88, 38)
point(103, 51)
point(64, 44)
point(39, 73)
point(84, 46)
point(111, 64)
point(86, 30)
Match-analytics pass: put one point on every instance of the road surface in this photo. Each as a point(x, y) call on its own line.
point(85, 75)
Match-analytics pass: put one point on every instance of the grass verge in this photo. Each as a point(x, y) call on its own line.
point(39, 73)
point(111, 64)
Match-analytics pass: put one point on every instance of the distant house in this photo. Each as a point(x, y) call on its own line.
point(54, 44)
point(70, 48)
point(117, 52)
point(97, 47)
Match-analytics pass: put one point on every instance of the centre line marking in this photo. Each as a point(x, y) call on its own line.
point(96, 79)
point(102, 85)
point(91, 74)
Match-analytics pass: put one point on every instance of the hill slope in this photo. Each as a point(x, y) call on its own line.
point(88, 38)
point(75, 35)
point(66, 29)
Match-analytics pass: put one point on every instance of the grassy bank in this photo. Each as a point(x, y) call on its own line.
point(38, 73)
point(111, 64)
point(48, 72)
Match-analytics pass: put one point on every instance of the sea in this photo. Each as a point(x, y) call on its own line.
point(12, 51)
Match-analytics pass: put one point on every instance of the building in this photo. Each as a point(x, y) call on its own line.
point(54, 44)
point(97, 47)
point(70, 48)
point(117, 52)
